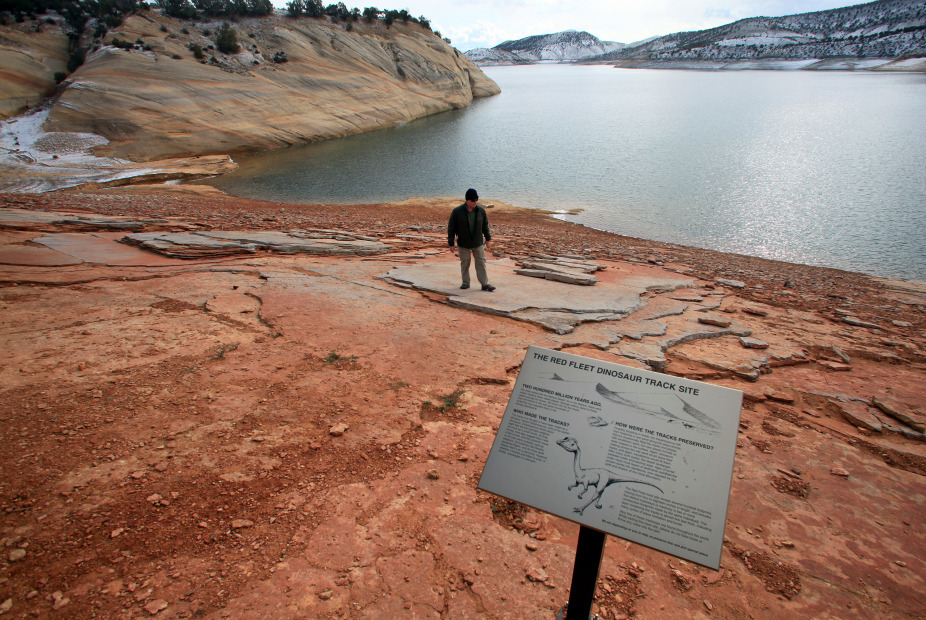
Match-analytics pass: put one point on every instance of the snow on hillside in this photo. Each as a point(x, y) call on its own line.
point(493, 56)
point(886, 29)
point(883, 29)
point(566, 46)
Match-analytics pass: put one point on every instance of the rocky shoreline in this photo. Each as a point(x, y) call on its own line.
point(293, 430)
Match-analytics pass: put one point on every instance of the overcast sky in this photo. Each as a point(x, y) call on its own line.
point(486, 23)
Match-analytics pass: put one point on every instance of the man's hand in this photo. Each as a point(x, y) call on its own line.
point(453, 250)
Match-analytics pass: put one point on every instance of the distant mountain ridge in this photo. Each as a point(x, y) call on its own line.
point(882, 29)
point(885, 29)
point(566, 46)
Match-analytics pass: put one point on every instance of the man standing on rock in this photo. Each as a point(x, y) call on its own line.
point(469, 227)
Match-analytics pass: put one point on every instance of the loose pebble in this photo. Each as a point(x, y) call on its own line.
point(155, 606)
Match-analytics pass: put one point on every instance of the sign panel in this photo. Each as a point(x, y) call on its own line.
point(633, 453)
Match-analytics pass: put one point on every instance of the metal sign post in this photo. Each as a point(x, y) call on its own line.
point(589, 551)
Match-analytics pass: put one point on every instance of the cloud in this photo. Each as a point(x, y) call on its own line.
point(477, 34)
point(711, 13)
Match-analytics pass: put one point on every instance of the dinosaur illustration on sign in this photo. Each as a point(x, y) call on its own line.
point(597, 478)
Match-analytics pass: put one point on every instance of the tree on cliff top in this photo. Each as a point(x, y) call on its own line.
point(215, 8)
point(371, 13)
point(226, 40)
point(311, 8)
point(337, 11)
point(178, 8)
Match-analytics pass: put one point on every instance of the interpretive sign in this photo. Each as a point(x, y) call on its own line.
point(633, 453)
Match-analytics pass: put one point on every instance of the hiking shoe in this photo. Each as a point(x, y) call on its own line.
point(464, 285)
point(488, 287)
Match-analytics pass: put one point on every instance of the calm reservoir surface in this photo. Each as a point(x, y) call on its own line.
point(818, 168)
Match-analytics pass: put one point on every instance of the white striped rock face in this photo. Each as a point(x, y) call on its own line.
point(151, 105)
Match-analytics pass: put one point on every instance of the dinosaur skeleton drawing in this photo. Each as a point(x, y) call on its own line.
point(597, 478)
point(684, 412)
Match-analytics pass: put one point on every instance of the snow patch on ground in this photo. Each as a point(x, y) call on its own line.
point(33, 160)
point(23, 141)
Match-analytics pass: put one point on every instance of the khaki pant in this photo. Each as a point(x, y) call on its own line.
point(479, 254)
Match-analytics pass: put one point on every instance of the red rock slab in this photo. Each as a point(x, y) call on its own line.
point(36, 257)
point(857, 527)
point(103, 248)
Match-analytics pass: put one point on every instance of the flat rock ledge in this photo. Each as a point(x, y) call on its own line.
point(571, 270)
point(544, 302)
point(22, 219)
point(214, 244)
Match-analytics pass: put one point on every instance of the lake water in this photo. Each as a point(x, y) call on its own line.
point(809, 167)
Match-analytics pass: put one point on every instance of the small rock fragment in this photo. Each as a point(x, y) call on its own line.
point(17, 554)
point(755, 311)
point(237, 524)
point(6, 605)
point(851, 320)
point(156, 606)
point(896, 411)
point(730, 283)
point(530, 526)
point(537, 574)
point(712, 577)
point(685, 582)
point(715, 320)
point(337, 430)
point(783, 397)
point(858, 414)
point(845, 358)
point(60, 600)
point(839, 471)
point(753, 343)
point(433, 474)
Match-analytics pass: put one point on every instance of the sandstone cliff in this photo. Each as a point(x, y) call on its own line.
point(28, 63)
point(156, 100)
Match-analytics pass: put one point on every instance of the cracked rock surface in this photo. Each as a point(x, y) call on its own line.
point(277, 435)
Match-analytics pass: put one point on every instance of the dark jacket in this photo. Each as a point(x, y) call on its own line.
point(458, 228)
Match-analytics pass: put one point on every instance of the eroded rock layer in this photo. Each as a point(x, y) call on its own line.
point(158, 100)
